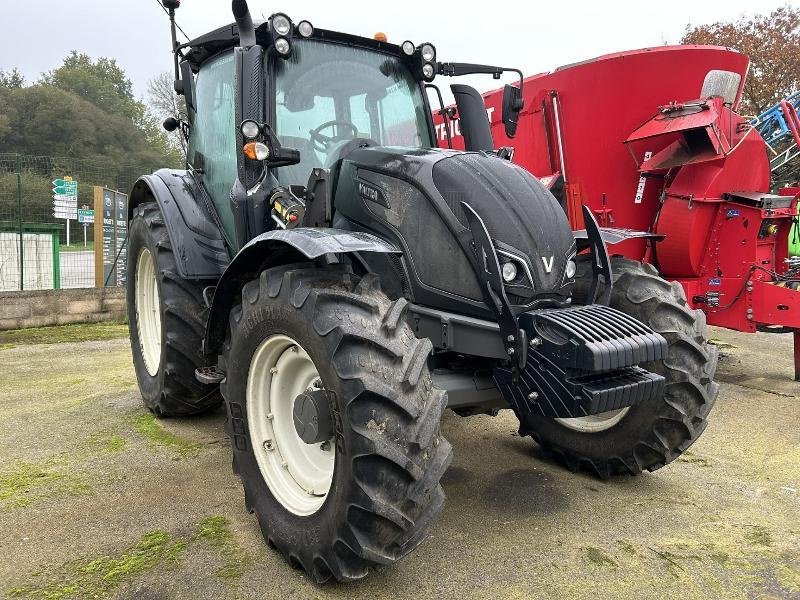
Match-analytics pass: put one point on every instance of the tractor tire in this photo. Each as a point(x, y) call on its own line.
point(654, 433)
point(166, 316)
point(367, 495)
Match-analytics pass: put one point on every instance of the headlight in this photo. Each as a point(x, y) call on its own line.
point(256, 151)
point(427, 71)
point(305, 29)
point(250, 129)
point(428, 52)
point(509, 272)
point(281, 24)
point(571, 269)
point(408, 48)
point(282, 46)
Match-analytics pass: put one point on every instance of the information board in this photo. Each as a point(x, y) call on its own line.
point(112, 228)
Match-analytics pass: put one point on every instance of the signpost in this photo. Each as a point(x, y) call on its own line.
point(86, 217)
point(65, 200)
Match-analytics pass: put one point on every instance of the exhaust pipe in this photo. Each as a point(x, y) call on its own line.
point(247, 32)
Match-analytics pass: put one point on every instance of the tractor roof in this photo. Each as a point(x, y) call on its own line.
point(204, 47)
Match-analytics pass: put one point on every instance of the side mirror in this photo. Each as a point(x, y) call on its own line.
point(171, 124)
point(278, 155)
point(185, 85)
point(512, 106)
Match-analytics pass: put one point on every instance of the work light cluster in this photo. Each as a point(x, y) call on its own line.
point(281, 28)
point(427, 56)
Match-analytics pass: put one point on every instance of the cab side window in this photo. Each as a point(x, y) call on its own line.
point(212, 142)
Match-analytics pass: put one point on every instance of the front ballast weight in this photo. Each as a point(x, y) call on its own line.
point(583, 361)
point(568, 362)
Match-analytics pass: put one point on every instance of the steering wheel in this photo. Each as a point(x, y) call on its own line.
point(323, 142)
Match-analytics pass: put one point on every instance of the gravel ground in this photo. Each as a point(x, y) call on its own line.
point(97, 499)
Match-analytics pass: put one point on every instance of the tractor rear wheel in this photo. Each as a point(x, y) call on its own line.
point(333, 420)
point(651, 434)
point(166, 321)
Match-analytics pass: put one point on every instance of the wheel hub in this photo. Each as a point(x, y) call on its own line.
point(312, 417)
point(283, 382)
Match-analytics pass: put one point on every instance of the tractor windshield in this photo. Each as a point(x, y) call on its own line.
point(328, 95)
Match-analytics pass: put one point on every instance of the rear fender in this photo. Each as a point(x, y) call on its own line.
point(199, 248)
point(275, 248)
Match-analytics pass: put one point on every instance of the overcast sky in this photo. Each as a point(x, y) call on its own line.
point(534, 36)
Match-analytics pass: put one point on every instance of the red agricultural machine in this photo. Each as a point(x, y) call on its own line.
point(651, 140)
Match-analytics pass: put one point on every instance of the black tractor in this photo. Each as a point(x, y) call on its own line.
point(338, 281)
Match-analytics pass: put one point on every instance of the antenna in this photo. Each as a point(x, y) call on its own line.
point(171, 6)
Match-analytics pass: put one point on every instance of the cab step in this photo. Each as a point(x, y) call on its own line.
point(209, 375)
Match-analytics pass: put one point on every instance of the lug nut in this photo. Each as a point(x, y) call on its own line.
point(536, 342)
point(268, 446)
point(510, 338)
point(533, 396)
point(510, 351)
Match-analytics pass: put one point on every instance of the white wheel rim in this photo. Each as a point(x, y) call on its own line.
point(299, 475)
point(148, 312)
point(595, 423)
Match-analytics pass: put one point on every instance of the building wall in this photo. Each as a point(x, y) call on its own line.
point(59, 307)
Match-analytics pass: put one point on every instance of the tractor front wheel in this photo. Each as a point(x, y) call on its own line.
point(166, 321)
point(333, 420)
point(651, 434)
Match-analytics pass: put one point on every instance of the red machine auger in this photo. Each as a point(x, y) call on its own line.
point(650, 140)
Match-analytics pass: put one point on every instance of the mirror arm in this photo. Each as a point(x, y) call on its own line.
point(456, 69)
point(443, 112)
point(278, 155)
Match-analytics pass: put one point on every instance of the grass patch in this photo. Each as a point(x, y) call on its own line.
point(29, 482)
point(99, 577)
point(215, 532)
point(77, 247)
point(758, 536)
point(627, 547)
point(79, 332)
point(114, 444)
point(693, 459)
point(788, 578)
point(146, 425)
point(103, 442)
point(721, 345)
point(599, 558)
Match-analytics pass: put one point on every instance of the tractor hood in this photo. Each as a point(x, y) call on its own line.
point(416, 196)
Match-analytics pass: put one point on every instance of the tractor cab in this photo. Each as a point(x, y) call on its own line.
point(269, 107)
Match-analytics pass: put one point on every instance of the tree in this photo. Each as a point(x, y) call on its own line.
point(101, 82)
point(12, 79)
point(85, 110)
point(773, 44)
point(164, 102)
point(66, 125)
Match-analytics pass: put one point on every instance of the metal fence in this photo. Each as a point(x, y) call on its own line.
point(47, 229)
